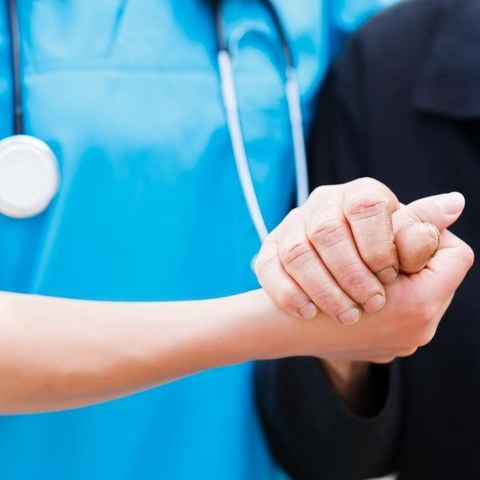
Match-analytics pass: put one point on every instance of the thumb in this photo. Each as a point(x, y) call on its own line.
point(448, 268)
point(439, 210)
point(416, 244)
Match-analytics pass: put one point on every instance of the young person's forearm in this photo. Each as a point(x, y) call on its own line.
point(59, 353)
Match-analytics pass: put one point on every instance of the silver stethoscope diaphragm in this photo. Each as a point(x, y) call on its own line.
point(29, 176)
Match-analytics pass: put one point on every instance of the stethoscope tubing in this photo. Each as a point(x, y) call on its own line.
point(18, 127)
point(29, 171)
point(238, 144)
point(230, 102)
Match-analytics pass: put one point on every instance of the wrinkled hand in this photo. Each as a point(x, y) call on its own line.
point(337, 251)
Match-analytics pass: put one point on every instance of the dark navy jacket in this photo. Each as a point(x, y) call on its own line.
point(402, 105)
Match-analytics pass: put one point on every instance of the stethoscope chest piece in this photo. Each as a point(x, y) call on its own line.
point(29, 176)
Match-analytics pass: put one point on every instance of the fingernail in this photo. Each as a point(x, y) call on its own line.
point(388, 275)
point(308, 310)
point(374, 303)
point(451, 203)
point(350, 316)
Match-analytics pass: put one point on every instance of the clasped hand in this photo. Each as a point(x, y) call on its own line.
point(351, 250)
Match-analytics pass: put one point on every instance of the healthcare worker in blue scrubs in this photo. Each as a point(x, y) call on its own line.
point(146, 204)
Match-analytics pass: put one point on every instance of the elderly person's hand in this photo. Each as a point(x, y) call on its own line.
point(340, 251)
point(337, 251)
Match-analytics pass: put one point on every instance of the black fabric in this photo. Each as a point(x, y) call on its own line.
point(312, 434)
point(402, 105)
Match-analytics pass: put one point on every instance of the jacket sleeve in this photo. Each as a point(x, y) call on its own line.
point(311, 433)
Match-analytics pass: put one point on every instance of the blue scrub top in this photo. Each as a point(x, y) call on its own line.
point(127, 95)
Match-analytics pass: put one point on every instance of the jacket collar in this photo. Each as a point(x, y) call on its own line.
point(449, 81)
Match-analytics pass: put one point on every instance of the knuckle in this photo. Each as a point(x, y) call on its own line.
point(420, 213)
point(469, 256)
point(424, 337)
point(331, 300)
point(366, 205)
point(384, 360)
point(370, 182)
point(293, 214)
point(262, 266)
point(323, 296)
point(407, 352)
point(295, 253)
point(366, 183)
point(425, 312)
point(327, 232)
point(269, 274)
point(288, 299)
point(421, 336)
point(383, 256)
point(320, 192)
point(418, 312)
point(418, 330)
point(355, 279)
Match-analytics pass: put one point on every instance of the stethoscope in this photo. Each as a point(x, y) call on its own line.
point(29, 173)
point(230, 102)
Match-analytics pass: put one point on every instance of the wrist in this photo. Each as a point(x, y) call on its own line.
point(361, 386)
point(261, 330)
